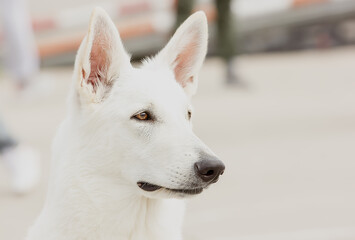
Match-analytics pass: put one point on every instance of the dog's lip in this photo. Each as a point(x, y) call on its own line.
point(148, 186)
point(152, 187)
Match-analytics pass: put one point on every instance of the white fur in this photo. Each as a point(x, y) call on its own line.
point(100, 152)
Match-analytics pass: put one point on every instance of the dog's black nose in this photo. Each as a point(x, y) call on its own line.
point(209, 169)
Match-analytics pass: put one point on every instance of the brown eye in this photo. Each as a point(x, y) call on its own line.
point(189, 115)
point(143, 116)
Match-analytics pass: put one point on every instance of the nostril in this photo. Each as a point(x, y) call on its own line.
point(209, 173)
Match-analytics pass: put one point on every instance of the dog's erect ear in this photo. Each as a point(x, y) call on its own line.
point(186, 51)
point(100, 59)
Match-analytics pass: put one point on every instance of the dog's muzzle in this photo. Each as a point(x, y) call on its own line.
point(207, 170)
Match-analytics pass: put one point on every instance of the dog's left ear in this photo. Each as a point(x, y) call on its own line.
point(100, 59)
point(186, 51)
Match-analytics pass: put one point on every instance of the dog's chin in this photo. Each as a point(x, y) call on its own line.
point(169, 192)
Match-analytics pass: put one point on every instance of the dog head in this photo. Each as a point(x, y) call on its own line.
point(139, 118)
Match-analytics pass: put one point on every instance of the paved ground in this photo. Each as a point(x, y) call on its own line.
point(288, 141)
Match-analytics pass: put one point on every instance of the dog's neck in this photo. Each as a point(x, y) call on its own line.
point(114, 215)
point(80, 205)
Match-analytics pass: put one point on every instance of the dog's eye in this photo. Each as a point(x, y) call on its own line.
point(189, 115)
point(143, 116)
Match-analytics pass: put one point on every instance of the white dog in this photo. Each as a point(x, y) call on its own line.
point(127, 149)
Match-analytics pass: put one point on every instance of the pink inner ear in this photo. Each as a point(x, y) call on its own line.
point(98, 62)
point(184, 62)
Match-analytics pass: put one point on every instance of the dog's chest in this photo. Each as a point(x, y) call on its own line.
point(160, 220)
point(152, 220)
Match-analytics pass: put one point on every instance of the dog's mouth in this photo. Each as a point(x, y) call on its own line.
point(152, 187)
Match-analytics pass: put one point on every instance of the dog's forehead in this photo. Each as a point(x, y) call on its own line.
point(157, 86)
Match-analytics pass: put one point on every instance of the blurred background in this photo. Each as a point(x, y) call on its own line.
point(276, 102)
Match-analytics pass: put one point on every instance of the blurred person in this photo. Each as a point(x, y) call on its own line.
point(23, 63)
point(21, 161)
point(226, 45)
point(21, 56)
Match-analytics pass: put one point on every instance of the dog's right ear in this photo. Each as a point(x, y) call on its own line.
point(100, 59)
